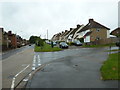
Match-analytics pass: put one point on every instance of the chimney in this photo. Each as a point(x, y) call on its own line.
point(78, 26)
point(2, 29)
point(70, 29)
point(9, 32)
point(65, 30)
point(91, 20)
point(62, 32)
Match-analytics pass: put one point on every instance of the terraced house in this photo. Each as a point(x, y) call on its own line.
point(94, 31)
point(91, 32)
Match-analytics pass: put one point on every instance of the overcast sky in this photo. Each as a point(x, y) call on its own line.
point(35, 18)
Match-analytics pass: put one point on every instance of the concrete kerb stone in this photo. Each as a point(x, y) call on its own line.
point(22, 83)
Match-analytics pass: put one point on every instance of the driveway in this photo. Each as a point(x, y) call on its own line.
point(71, 68)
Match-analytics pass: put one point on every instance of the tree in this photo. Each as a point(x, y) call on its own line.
point(33, 39)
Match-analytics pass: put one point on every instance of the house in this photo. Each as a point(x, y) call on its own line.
point(1, 31)
point(116, 32)
point(56, 37)
point(65, 36)
point(76, 35)
point(94, 31)
point(13, 39)
point(4, 39)
point(73, 35)
point(70, 35)
point(61, 35)
point(19, 41)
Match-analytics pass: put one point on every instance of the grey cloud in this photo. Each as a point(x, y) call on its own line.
point(35, 18)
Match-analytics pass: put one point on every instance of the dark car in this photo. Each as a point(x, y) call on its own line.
point(63, 45)
point(118, 44)
point(77, 43)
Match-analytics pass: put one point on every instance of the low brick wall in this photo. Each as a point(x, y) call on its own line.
point(104, 41)
point(107, 41)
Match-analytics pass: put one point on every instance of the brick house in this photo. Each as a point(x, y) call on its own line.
point(116, 32)
point(1, 31)
point(19, 41)
point(13, 39)
point(94, 31)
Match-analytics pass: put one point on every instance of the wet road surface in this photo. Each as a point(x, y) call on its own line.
point(9, 53)
point(16, 65)
point(71, 68)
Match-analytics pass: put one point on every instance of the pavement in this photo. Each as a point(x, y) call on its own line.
point(71, 68)
point(16, 64)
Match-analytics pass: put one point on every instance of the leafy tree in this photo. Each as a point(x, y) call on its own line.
point(40, 42)
point(33, 39)
point(36, 40)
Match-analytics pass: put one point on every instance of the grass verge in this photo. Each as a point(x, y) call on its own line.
point(110, 69)
point(97, 46)
point(113, 50)
point(46, 48)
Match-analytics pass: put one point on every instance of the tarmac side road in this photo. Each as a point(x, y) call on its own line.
point(75, 68)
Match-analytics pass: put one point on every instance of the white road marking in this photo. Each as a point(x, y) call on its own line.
point(39, 64)
point(13, 81)
point(33, 68)
point(39, 61)
point(34, 61)
point(25, 80)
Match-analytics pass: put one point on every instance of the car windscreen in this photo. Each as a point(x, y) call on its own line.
point(63, 43)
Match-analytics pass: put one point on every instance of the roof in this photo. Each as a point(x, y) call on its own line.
point(71, 29)
point(76, 36)
point(88, 33)
point(93, 24)
point(116, 32)
point(66, 33)
point(74, 30)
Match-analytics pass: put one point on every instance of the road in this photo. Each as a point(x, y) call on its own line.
point(71, 68)
point(16, 64)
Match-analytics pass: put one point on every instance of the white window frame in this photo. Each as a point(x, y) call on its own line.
point(98, 29)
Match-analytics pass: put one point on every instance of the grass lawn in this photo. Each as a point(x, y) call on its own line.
point(95, 46)
point(46, 48)
point(113, 50)
point(110, 69)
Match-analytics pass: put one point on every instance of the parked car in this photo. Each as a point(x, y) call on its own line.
point(77, 43)
point(54, 43)
point(63, 45)
point(118, 44)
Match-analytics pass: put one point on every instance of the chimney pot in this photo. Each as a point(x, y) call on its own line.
point(70, 29)
point(65, 30)
point(78, 26)
point(91, 20)
point(9, 32)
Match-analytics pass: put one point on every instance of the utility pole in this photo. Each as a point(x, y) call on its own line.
point(47, 34)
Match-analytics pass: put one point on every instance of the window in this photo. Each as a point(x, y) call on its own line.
point(97, 38)
point(97, 29)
